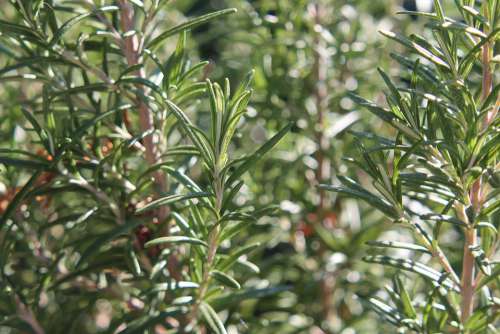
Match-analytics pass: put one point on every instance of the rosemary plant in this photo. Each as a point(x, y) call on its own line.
point(438, 175)
point(101, 166)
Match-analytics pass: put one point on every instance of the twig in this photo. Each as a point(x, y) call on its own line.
point(468, 268)
point(27, 315)
point(132, 52)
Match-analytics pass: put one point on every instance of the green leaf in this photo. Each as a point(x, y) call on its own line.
point(175, 285)
point(243, 87)
point(21, 163)
point(95, 87)
point(470, 57)
point(444, 218)
point(478, 321)
point(247, 266)
point(408, 308)
point(80, 131)
point(183, 225)
point(417, 48)
point(236, 112)
point(481, 260)
point(134, 261)
point(74, 20)
point(454, 25)
point(385, 115)
point(131, 70)
point(189, 93)
point(138, 3)
point(180, 150)
point(416, 267)
point(235, 297)
point(170, 199)
point(142, 324)
point(186, 124)
point(175, 63)
point(225, 279)
point(106, 238)
point(188, 25)
point(257, 155)
point(212, 318)
point(399, 245)
point(22, 77)
point(182, 178)
point(138, 81)
point(386, 311)
point(175, 240)
point(16, 29)
point(475, 13)
point(28, 62)
point(231, 259)
point(352, 189)
point(495, 274)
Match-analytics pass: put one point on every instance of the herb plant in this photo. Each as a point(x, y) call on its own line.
point(438, 174)
point(141, 191)
point(101, 208)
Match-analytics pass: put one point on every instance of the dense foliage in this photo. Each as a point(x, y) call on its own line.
point(438, 175)
point(141, 191)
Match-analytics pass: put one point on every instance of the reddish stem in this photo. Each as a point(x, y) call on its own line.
point(133, 56)
point(468, 276)
point(327, 284)
point(132, 51)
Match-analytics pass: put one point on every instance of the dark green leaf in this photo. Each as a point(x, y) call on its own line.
point(188, 25)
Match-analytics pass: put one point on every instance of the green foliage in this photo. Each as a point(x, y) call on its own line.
point(434, 177)
point(107, 213)
point(141, 191)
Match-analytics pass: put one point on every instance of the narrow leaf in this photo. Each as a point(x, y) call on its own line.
point(188, 25)
point(175, 240)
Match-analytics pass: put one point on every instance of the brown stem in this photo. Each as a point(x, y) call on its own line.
point(327, 284)
point(321, 98)
point(27, 315)
point(435, 251)
point(468, 275)
point(151, 142)
point(131, 47)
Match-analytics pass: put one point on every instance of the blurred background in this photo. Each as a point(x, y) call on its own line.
point(306, 55)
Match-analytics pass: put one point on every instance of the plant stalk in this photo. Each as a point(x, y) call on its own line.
point(131, 49)
point(468, 267)
point(26, 314)
point(213, 245)
point(468, 275)
point(327, 284)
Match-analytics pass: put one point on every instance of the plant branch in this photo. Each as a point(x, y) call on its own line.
point(327, 284)
point(213, 243)
point(26, 314)
point(133, 53)
point(476, 197)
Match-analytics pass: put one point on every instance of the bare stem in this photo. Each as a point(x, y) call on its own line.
point(26, 314)
point(131, 49)
point(327, 284)
point(468, 275)
point(321, 98)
